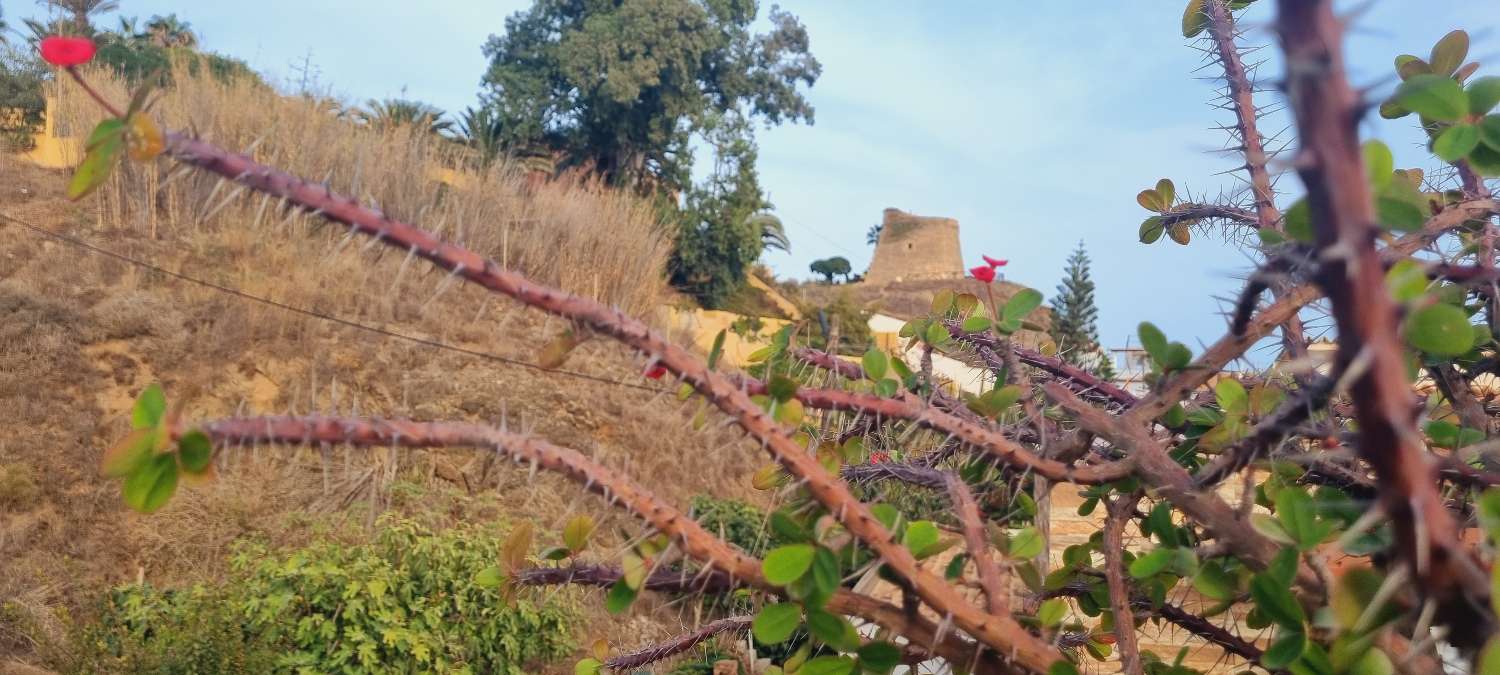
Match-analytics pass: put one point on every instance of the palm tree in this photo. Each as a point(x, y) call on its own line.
point(483, 131)
point(169, 31)
point(130, 27)
point(396, 112)
point(82, 10)
point(772, 232)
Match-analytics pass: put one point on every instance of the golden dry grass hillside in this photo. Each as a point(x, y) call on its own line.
point(81, 334)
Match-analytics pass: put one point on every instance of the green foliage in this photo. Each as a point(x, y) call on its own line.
point(737, 523)
point(624, 88)
point(392, 113)
point(140, 60)
point(405, 602)
point(1074, 316)
point(853, 321)
point(21, 78)
point(621, 87)
point(831, 267)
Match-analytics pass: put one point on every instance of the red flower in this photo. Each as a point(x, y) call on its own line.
point(994, 262)
point(878, 457)
point(67, 51)
point(983, 273)
point(655, 372)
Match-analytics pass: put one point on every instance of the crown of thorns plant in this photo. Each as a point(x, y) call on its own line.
point(1384, 464)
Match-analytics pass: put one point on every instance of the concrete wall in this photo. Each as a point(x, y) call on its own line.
point(915, 247)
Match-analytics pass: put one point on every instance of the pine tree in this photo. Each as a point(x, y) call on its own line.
point(1074, 315)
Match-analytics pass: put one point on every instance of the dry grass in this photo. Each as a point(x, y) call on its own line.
point(80, 335)
point(569, 233)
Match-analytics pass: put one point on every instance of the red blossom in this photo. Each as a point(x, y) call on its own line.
point(879, 457)
point(995, 262)
point(655, 372)
point(67, 51)
point(983, 273)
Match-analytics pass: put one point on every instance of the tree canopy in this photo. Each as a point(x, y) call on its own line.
point(623, 86)
point(828, 267)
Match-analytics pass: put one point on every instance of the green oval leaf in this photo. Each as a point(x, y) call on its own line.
point(619, 598)
point(1436, 97)
point(875, 363)
point(1026, 544)
point(1154, 342)
point(1151, 230)
point(1151, 564)
point(1194, 21)
point(1440, 329)
point(827, 665)
point(1285, 650)
point(786, 564)
point(776, 623)
point(1456, 142)
point(1484, 95)
point(149, 408)
point(149, 488)
point(195, 451)
point(1215, 583)
point(101, 153)
point(1021, 304)
point(1298, 221)
point(577, 532)
point(1275, 600)
point(920, 536)
point(879, 657)
point(976, 324)
point(1489, 131)
point(826, 574)
point(125, 457)
point(1052, 612)
point(1379, 162)
point(489, 577)
point(1449, 53)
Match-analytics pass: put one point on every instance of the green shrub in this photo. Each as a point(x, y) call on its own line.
point(736, 522)
point(404, 603)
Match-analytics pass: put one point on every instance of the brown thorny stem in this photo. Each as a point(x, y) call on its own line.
point(1327, 112)
point(1241, 93)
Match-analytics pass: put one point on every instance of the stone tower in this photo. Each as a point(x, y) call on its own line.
point(913, 247)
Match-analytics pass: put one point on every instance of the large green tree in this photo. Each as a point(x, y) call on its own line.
point(1074, 317)
point(623, 86)
point(626, 88)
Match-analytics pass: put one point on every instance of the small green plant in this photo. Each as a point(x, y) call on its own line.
point(406, 602)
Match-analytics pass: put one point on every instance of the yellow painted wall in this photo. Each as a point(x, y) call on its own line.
point(704, 324)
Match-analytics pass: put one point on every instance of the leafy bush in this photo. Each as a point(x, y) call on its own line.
point(21, 102)
point(406, 602)
point(735, 522)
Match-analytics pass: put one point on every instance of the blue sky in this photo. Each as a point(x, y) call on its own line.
point(1033, 124)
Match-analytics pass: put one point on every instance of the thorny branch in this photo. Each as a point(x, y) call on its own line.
point(1327, 111)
